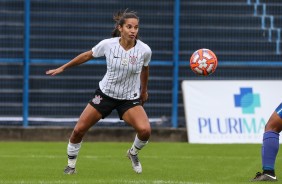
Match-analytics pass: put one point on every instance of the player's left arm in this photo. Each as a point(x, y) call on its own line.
point(144, 77)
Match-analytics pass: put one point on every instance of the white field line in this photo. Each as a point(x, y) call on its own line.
point(102, 182)
point(118, 156)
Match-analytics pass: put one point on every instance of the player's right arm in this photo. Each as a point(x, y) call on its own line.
point(81, 58)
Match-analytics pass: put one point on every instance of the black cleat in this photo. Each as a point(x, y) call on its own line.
point(264, 177)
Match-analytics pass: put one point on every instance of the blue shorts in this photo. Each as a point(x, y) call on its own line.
point(279, 110)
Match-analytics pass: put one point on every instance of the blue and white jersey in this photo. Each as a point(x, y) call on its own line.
point(122, 79)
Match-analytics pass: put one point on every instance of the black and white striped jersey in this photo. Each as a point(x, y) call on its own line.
point(122, 79)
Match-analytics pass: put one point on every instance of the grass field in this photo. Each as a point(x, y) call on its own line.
point(105, 163)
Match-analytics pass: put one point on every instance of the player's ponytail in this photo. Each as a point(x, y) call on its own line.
point(120, 17)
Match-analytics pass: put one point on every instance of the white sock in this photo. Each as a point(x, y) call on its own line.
point(72, 152)
point(137, 145)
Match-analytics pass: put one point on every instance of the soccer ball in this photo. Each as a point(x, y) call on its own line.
point(203, 62)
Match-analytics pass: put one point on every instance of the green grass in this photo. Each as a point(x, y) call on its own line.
point(105, 163)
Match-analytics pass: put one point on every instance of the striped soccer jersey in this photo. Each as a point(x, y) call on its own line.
point(122, 79)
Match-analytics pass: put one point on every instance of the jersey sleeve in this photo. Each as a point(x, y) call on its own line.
point(99, 49)
point(147, 57)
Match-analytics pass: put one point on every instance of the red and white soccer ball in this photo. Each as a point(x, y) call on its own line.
point(203, 62)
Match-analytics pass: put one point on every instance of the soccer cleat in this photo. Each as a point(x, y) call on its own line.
point(136, 165)
point(264, 177)
point(69, 170)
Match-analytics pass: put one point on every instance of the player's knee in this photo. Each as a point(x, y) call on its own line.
point(144, 133)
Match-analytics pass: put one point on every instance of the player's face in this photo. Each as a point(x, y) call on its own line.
point(129, 29)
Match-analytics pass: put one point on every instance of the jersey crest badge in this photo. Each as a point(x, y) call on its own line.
point(97, 99)
point(132, 59)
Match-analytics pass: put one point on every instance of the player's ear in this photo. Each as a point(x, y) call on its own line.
point(119, 28)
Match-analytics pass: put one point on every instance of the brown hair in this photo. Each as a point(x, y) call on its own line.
point(120, 18)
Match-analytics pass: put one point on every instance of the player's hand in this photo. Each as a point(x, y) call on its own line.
point(54, 71)
point(143, 97)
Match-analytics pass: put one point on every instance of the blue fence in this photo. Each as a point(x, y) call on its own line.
point(38, 35)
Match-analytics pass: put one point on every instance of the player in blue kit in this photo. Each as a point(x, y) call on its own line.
point(123, 87)
point(270, 146)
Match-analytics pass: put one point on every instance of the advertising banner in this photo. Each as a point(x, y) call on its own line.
point(229, 111)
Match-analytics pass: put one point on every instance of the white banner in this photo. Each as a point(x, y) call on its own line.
point(229, 111)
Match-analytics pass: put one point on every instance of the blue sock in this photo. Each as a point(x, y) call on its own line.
point(269, 149)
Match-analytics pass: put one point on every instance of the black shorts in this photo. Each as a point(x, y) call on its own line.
point(105, 104)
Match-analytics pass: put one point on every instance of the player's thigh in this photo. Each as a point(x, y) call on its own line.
point(89, 117)
point(137, 118)
point(274, 123)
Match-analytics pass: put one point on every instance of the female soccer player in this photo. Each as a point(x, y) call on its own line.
point(124, 87)
point(270, 146)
